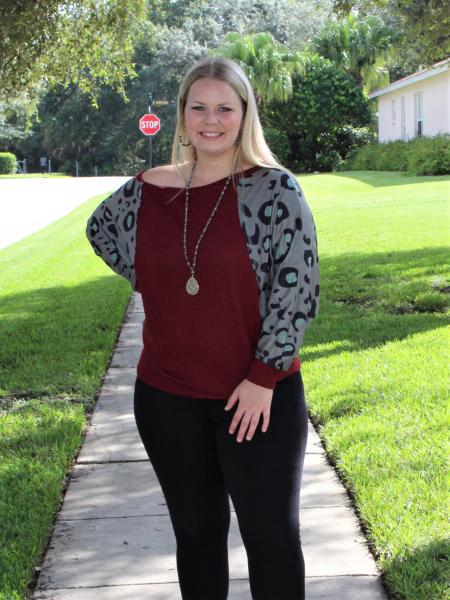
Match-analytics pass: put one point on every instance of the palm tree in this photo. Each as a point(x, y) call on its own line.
point(267, 64)
point(363, 48)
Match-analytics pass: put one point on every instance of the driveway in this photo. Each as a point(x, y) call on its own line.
point(28, 205)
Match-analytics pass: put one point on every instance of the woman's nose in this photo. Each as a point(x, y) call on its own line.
point(210, 117)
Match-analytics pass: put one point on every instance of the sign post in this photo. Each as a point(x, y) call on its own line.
point(149, 124)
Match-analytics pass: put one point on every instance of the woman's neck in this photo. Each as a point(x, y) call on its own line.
point(211, 170)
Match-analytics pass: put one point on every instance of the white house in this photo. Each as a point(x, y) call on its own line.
point(415, 105)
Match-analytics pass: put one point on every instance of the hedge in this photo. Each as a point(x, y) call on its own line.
point(419, 156)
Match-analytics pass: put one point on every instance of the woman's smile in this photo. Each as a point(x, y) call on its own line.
point(210, 134)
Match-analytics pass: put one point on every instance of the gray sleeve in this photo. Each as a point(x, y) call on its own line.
point(293, 298)
point(111, 231)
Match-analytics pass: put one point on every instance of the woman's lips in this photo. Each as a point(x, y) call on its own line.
point(211, 135)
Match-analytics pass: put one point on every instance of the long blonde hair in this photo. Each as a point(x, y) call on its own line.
point(252, 146)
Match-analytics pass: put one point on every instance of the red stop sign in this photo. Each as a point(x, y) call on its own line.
point(149, 124)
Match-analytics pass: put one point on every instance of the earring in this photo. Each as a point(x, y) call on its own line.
point(179, 138)
point(238, 139)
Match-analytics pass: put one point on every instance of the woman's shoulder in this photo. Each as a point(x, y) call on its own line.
point(163, 175)
point(278, 177)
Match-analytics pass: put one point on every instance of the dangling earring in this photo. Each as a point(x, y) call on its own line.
point(179, 138)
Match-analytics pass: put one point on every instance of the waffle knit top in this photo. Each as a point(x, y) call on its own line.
point(200, 346)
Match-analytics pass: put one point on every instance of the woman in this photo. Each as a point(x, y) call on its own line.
point(219, 362)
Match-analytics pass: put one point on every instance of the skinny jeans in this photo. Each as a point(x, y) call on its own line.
point(199, 465)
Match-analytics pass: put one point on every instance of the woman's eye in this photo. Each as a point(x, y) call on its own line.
point(224, 108)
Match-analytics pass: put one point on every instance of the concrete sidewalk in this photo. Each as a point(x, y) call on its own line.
point(113, 539)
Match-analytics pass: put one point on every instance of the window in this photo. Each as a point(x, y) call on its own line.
point(402, 118)
point(418, 109)
point(393, 111)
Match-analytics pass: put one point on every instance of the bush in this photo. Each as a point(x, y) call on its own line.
point(347, 138)
point(278, 142)
point(328, 160)
point(8, 163)
point(430, 156)
point(420, 156)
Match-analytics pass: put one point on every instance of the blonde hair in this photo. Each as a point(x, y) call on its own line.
point(252, 146)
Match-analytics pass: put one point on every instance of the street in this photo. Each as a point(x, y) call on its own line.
point(29, 204)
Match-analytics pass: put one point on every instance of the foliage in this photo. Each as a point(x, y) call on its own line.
point(348, 138)
point(70, 128)
point(361, 47)
point(290, 22)
point(16, 114)
point(7, 163)
point(267, 64)
point(425, 24)
point(420, 156)
point(278, 143)
point(316, 119)
point(88, 42)
point(430, 156)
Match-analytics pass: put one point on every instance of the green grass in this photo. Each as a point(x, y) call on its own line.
point(60, 313)
point(33, 175)
point(374, 364)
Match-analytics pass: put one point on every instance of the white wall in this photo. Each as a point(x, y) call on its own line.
point(436, 108)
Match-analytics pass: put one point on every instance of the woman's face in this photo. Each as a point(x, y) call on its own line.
point(214, 108)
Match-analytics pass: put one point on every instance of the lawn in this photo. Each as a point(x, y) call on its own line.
point(33, 175)
point(374, 366)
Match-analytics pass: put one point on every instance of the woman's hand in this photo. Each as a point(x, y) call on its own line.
point(254, 400)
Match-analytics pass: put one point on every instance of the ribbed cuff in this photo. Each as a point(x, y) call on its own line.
point(261, 374)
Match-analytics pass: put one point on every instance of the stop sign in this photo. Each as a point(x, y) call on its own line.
point(149, 124)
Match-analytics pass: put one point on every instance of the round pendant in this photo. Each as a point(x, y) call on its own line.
point(192, 286)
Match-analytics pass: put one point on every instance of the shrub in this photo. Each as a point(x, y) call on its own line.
point(420, 156)
point(328, 160)
point(430, 156)
point(8, 163)
point(348, 138)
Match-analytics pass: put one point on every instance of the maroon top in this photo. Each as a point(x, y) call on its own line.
point(200, 346)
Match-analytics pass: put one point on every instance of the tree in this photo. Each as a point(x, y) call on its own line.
point(291, 22)
point(361, 47)
point(87, 42)
point(325, 103)
point(425, 24)
point(267, 64)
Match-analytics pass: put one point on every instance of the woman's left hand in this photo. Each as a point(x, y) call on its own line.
point(254, 400)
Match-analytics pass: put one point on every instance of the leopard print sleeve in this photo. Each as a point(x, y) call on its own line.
point(111, 230)
point(293, 292)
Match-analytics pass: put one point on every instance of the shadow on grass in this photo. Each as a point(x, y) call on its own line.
point(371, 299)
point(58, 340)
point(383, 178)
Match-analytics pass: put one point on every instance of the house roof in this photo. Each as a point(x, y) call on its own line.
point(439, 67)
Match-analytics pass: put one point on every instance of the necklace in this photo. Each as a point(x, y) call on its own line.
point(192, 286)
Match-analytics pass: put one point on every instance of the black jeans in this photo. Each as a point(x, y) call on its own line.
point(198, 463)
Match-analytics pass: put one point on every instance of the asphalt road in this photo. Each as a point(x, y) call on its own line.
point(28, 205)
